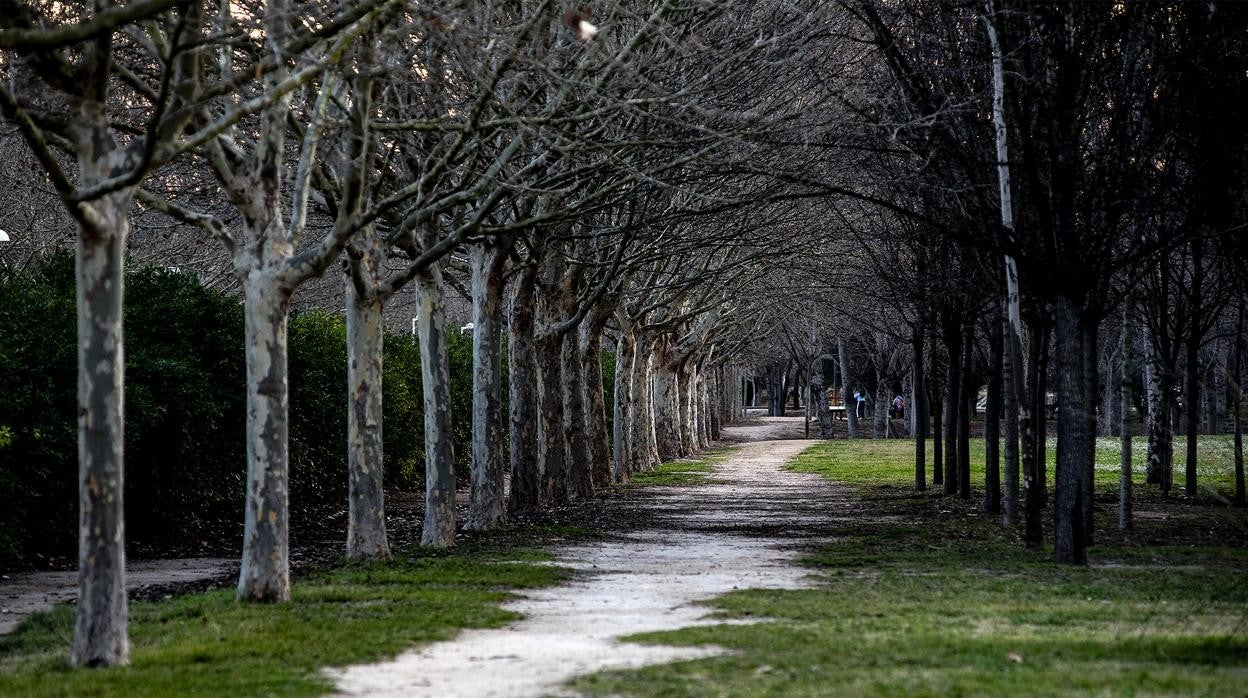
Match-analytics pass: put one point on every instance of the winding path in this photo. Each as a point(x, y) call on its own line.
point(743, 530)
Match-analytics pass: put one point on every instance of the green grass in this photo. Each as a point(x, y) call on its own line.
point(681, 472)
point(920, 595)
point(207, 644)
point(869, 462)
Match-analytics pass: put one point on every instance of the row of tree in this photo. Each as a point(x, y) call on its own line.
point(567, 172)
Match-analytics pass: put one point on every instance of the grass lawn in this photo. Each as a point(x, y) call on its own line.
point(922, 595)
point(681, 471)
point(207, 644)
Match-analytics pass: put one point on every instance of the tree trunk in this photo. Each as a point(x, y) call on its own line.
point(1160, 428)
point(918, 409)
point(439, 525)
point(624, 414)
point(968, 396)
point(100, 627)
point(1032, 426)
point(1010, 397)
point(938, 433)
point(667, 419)
point(1124, 401)
point(599, 453)
point(576, 454)
point(992, 423)
point(952, 400)
point(645, 438)
point(1238, 394)
point(1191, 397)
point(485, 498)
point(847, 390)
point(265, 573)
point(881, 404)
point(366, 510)
point(1072, 436)
point(553, 448)
point(1091, 356)
point(525, 496)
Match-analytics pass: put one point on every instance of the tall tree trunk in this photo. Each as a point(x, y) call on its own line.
point(1011, 380)
point(486, 492)
point(952, 400)
point(366, 510)
point(265, 573)
point(1032, 425)
point(992, 411)
point(100, 625)
point(1124, 401)
point(667, 419)
point(880, 405)
point(847, 389)
point(1160, 427)
point(1072, 433)
point(525, 495)
point(576, 443)
point(918, 409)
point(1191, 397)
point(938, 431)
point(968, 396)
point(624, 413)
point(1238, 394)
point(1091, 356)
point(439, 525)
point(553, 448)
point(597, 439)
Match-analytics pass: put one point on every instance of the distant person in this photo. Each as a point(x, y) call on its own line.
point(898, 409)
point(860, 410)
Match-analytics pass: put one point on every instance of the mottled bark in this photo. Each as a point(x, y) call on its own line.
point(366, 517)
point(525, 495)
point(666, 403)
point(100, 626)
point(551, 427)
point(438, 530)
point(597, 438)
point(485, 497)
point(265, 573)
point(576, 443)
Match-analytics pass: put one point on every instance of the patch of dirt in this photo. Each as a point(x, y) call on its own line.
point(25, 593)
point(670, 547)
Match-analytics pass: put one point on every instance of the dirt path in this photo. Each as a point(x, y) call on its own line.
point(25, 593)
point(742, 531)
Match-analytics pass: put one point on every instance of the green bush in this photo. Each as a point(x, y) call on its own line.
point(185, 412)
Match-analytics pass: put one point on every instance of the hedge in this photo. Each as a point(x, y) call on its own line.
point(185, 466)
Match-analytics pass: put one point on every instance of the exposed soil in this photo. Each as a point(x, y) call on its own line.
point(25, 593)
point(669, 547)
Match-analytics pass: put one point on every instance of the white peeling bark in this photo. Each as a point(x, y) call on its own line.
point(666, 408)
point(265, 573)
point(100, 625)
point(485, 502)
point(366, 520)
point(439, 525)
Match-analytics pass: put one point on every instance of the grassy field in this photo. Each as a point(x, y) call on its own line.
point(891, 462)
point(922, 595)
point(207, 644)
